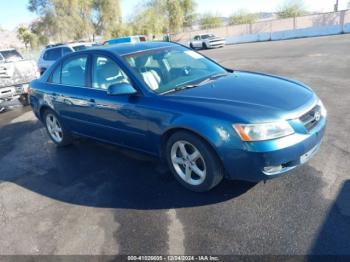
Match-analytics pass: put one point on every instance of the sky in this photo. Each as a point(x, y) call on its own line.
point(15, 12)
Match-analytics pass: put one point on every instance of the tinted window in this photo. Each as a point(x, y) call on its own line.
point(11, 55)
point(106, 72)
point(74, 71)
point(207, 36)
point(79, 47)
point(56, 75)
point(52, 54)
point(66, 50)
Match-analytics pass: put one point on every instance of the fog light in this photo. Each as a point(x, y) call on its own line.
point(270, 170)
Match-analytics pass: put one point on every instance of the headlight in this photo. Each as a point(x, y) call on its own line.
point(266, 131)
point(323, 109)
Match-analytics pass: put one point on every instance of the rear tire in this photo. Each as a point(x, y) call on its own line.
point(191, 46)
point(204, 45)
point(54, 127)
point(193, 162)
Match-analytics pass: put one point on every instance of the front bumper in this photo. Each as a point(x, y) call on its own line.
point(288, 153)
point(215, 44)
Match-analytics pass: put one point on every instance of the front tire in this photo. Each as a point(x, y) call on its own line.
point(204, 45)
point(191, 46)
point(57, 132)
point(23, 99)
point(193, 162)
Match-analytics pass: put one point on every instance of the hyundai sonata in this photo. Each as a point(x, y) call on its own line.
point(208, 122)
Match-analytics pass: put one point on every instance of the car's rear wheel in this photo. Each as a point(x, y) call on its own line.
point(58, 134)
point(193, 162)
point(191, 46)
point(204, 45)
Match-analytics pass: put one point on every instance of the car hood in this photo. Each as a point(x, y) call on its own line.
point(250, 95)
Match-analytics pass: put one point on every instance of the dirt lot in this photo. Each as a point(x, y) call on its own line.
point(95, 199)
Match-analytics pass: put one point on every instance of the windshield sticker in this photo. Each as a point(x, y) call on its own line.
point(194, 54)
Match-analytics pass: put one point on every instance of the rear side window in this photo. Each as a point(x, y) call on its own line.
point(52, 54)
point(79, 47)
point(66, 50)
point(56, 75)
point(74, 71)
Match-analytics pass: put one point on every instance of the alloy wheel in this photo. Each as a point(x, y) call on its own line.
point(54, 128)
point(188, 162)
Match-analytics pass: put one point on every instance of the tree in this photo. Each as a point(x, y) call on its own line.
point(175, 15)
point(209, 20)
point(157, 17)
point(25, 36)
point(242, 17)
point(108, 19)
point(149, 20)
point(65, 20)
point(292, 8)
point(188, 7)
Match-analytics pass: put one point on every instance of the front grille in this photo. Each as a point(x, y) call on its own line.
point(311, 118)
point(216, 41)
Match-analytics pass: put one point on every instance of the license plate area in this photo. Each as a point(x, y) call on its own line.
point(309, 154)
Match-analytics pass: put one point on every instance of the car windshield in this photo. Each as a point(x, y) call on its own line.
point(11, 55)
point(170, 68)
point(80, 47)
point(207, 36)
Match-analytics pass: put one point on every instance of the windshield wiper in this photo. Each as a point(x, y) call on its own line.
point(202, 82)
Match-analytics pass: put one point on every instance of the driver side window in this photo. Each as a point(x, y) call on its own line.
point(106, 72)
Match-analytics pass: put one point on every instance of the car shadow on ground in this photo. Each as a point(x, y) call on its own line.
point(333, 236)
point(93, 174)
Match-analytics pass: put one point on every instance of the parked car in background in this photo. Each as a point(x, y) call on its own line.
point(127, 39)
point(53, 52)
point(208, 122)
point(15, 75)
point(205, 41)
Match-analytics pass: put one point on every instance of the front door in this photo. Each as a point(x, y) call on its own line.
point(116, 119)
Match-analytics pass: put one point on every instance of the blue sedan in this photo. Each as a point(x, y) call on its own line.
point(206, 121)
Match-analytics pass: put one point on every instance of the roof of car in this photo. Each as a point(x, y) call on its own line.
point(60, 45)
point(129, 48)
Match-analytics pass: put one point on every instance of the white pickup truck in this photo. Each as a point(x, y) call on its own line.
point(15, 75)
point(205, 41)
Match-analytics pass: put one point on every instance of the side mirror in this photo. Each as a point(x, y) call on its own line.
point(121, 89)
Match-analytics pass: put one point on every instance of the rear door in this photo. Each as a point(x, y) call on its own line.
point(69, 82)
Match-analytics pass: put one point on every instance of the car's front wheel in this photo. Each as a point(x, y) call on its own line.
point(23, 99)
point(193, 162)
point(58, 134)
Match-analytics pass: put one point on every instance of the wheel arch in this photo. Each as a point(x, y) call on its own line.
point(170, 131)
point(42, 110)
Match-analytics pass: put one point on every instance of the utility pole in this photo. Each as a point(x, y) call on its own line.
point(336, 6)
